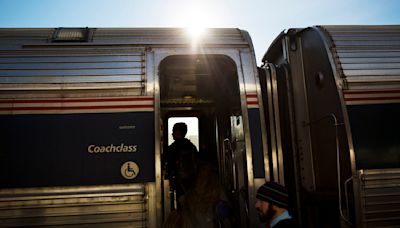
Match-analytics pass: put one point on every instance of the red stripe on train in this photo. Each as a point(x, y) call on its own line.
point(79, 100)
point(76, 107)
point(371, 98)
point(372, 92)
point(251, 95)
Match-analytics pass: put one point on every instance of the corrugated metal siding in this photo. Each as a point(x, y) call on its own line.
point(33, 67)
point(380, 191)
point(14, 38)
point(98, 206)
point(168, 36)
point(71, 72)
point(368, 57)
point(112, 63)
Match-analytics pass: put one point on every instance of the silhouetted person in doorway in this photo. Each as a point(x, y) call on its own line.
point(181, 161)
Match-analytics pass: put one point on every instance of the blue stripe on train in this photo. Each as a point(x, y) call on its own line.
point(256, 143)
point(75, 149)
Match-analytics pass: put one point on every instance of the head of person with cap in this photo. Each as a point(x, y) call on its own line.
point(272, 205)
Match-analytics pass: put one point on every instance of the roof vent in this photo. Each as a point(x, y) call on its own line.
point(72, 35)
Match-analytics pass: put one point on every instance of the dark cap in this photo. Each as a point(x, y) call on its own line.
point(273, 193)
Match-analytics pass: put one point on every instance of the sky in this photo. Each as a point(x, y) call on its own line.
point(263, 19)
point(192, 127)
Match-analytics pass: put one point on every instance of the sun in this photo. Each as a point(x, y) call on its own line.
point(196, 19)
point(195, 31)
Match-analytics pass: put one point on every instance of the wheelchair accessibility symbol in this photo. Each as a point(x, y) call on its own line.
point(129, 170)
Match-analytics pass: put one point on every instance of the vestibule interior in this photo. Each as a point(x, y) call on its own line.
point(207, 87)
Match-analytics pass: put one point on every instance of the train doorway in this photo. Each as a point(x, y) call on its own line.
point(206, 87)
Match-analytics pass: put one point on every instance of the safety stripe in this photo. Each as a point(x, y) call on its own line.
point(78, 105)
point(252, 100)
point(371, 97)
point(78, 100)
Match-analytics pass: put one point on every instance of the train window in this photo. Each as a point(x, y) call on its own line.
point(376, 134)
point(193, 129)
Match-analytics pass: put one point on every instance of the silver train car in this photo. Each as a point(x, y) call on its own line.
point(332, 94)
point(84, 118)
point(84, 113)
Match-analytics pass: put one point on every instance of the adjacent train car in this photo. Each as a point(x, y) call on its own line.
point(84, 111)
point(333, 94)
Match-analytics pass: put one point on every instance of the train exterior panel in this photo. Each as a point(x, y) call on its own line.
point(341, 98)
point(82, 112)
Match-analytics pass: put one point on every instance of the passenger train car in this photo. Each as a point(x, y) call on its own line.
point(335, 91)
point(84, 122)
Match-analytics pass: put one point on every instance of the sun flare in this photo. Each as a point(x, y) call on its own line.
point(196, 19)
point(195, 32)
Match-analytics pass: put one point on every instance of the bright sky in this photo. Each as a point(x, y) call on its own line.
point(192, 125)
point(263, 19)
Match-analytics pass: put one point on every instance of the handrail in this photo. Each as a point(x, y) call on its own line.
point(228, 142)
point(346, 195)
point(338, 167)
point(336, 124)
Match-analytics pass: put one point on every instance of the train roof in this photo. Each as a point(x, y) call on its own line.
point(362, 55)
point(15, 37)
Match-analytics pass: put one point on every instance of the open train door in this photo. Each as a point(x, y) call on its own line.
point(207, 87)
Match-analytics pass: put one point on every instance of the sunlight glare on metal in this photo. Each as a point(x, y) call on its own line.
point(195, 21)
point(196, 32)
